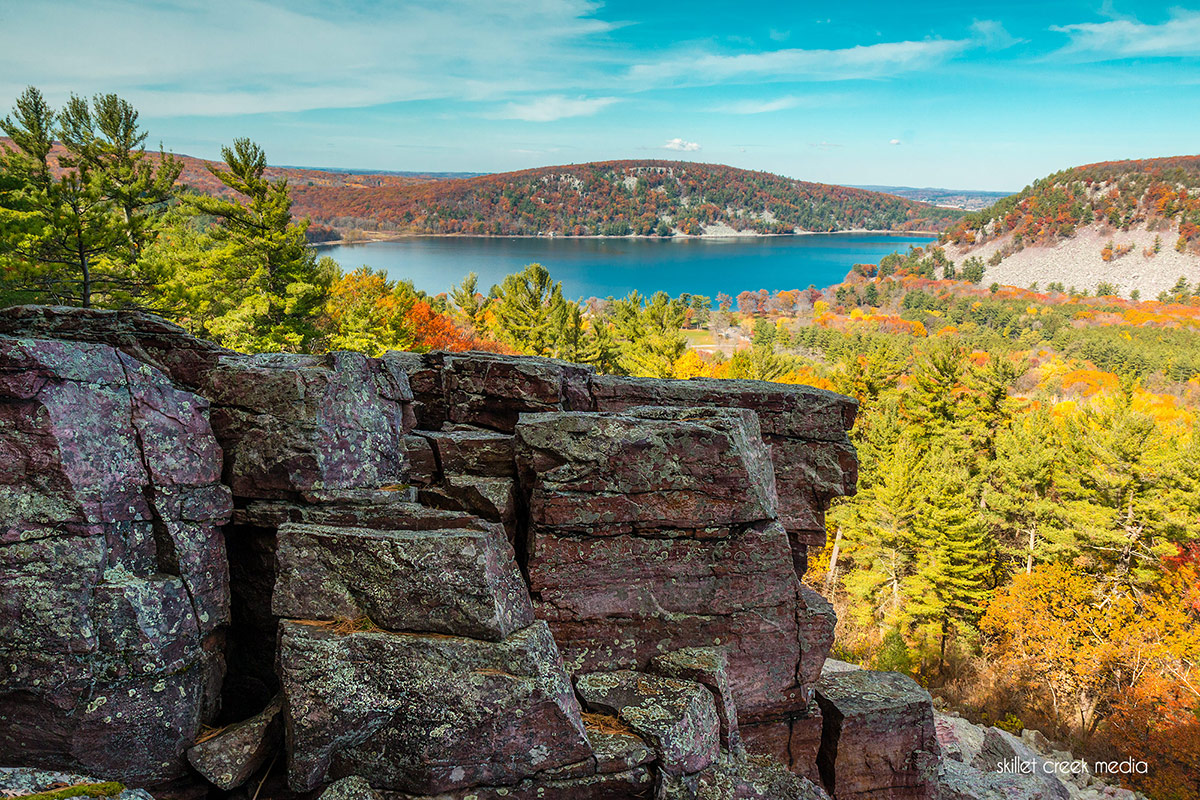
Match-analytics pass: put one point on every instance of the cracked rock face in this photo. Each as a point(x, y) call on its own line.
point(655, 529)
point(458, 582)
point(678, 718)
point(114, 586)
point(295, 425)
point(645, 469)
point(425, 713)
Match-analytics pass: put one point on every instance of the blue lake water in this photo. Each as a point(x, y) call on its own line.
point(604, 267)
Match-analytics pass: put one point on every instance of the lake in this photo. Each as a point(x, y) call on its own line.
point(604, 267)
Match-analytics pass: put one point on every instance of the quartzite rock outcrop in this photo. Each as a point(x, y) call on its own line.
point(114, 586)
point(434, 559)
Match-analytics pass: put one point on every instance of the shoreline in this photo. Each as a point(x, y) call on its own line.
point(680, 237)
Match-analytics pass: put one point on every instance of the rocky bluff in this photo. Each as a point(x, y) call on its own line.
point(447, 575)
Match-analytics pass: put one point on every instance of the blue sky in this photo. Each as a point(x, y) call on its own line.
point(983, 95)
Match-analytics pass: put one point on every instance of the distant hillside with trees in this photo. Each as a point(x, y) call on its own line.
point(1162, 194)
point(617, 198)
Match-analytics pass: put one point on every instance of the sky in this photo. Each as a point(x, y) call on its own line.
point(982, 95)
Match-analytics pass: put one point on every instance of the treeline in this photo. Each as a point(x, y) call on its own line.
point(619, 198)
point(1162, 194)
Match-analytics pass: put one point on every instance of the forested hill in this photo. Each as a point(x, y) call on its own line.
point(1162, 194)
point(1116, 227)
point(617, 198)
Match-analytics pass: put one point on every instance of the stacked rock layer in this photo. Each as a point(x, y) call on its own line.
point(451, 575)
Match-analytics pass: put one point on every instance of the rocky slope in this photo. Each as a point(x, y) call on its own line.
point(439, 575)
point(1133, 224)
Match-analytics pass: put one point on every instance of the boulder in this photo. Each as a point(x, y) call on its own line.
point(651, 530)
point(114, 588)
point(958, 781)
point(804, 427)
point(146, 338)
point(492, 391)
point(493, 499)
point(678, 718)
point(754, 778)
point(297, 425)
point(457, 582)
point(288, 424)
point(709, 667)
point(959, 739)
point(878, 736)
point(252, 542)
point(647, 468)
point(1001, 752)
point(229, 758)
point(616, 602)
point(425, 713)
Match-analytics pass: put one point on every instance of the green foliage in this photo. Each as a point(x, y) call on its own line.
point(649, 334)
point(893, 654)
point(240, 269)
point(75, 225)
point(973, 270)
point(529, 311)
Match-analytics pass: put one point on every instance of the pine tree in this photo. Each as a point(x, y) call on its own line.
point(649, 332)
point(248, 277)
point(948, 590)
point(528, 311)
point(72, 239)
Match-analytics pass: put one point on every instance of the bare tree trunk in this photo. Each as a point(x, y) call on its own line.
point(831, 575)
point(1032, 541)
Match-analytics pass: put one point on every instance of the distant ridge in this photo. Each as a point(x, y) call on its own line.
point(966, 199)
point(606, 198)
point(617, 198)
point(399, 172)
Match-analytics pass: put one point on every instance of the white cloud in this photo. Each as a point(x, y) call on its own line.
point(548, 109)
point(681, 145)
point(1128, 38)
point(183, 57)
point(759, 106)
point(863, 61)
point(993, 34)
point(894, 141)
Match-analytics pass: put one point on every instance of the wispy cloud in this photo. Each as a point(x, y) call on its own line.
point(548, 109)
point(183, 57)
point(825, 145)
point(681, 145)
point(863, 61)
point(759, 106)
point(1179, 36)
point(895, 141)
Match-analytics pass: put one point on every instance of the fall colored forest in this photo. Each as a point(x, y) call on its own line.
point(616, 198)
point(1025, 539)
